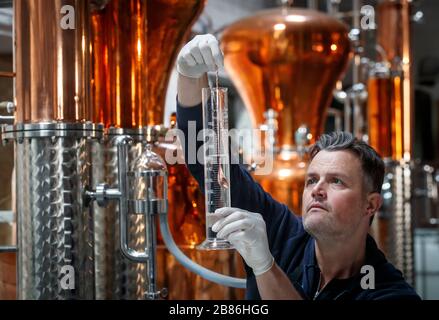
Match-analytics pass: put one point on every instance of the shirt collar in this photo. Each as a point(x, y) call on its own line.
point(311, 270)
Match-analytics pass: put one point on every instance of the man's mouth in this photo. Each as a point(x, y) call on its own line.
point(316, 206)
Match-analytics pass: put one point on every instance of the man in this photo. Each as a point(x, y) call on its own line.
point(322, 254)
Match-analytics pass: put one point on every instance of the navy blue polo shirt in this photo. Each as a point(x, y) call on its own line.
point(291, 246)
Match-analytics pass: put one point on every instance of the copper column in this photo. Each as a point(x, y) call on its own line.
point(52, 132)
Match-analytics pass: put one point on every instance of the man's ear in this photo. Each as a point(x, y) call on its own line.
point(374, 202)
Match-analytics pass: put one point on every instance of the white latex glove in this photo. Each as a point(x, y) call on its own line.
point(247, 232)
point(200, 55)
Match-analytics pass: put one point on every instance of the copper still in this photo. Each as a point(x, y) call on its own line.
point(119, 96)
point(169, 25)
point(131, 69)
point(390, 122)
point(285, 63)
point(52, 63)
point(133, 53)
point(120, 38)
point(53, 132)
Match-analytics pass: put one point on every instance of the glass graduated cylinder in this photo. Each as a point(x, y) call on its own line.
point(216, 162)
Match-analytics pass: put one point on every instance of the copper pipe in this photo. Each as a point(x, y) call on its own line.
point(52, 64)
point(6, 74)
point(394, 37)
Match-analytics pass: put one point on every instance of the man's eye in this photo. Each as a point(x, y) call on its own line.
point(311, 181)
point(337, 181)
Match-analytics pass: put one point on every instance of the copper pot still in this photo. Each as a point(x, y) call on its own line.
point(120, 102)
point(287, 60)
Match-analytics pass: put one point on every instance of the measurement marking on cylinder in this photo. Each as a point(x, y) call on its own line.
point(216, 164)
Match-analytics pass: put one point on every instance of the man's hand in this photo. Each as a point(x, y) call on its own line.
point(198, 56)
point(246, 231)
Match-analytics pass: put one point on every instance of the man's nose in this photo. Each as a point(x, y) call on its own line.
point(319, 190)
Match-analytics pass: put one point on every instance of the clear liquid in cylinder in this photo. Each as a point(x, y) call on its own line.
point(218, 192)
point(217, 163)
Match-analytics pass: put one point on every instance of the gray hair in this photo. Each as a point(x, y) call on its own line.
point(371, 162)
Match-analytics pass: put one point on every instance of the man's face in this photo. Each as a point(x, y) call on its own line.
point(334, 203)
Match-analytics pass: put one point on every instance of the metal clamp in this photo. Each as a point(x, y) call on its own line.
point(149, 207)
point(8, 105)
point(102, 195)
point(21, 131)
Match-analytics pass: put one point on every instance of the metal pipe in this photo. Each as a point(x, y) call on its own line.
point(356, 6)
point(332, 6)
point(356, 105)
point(347, 114)
point(152, 263)
point(103, 193)
point(337, 115)
point(152, 246)
point(122, 143)
point(313, 4)
point(6, 74)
